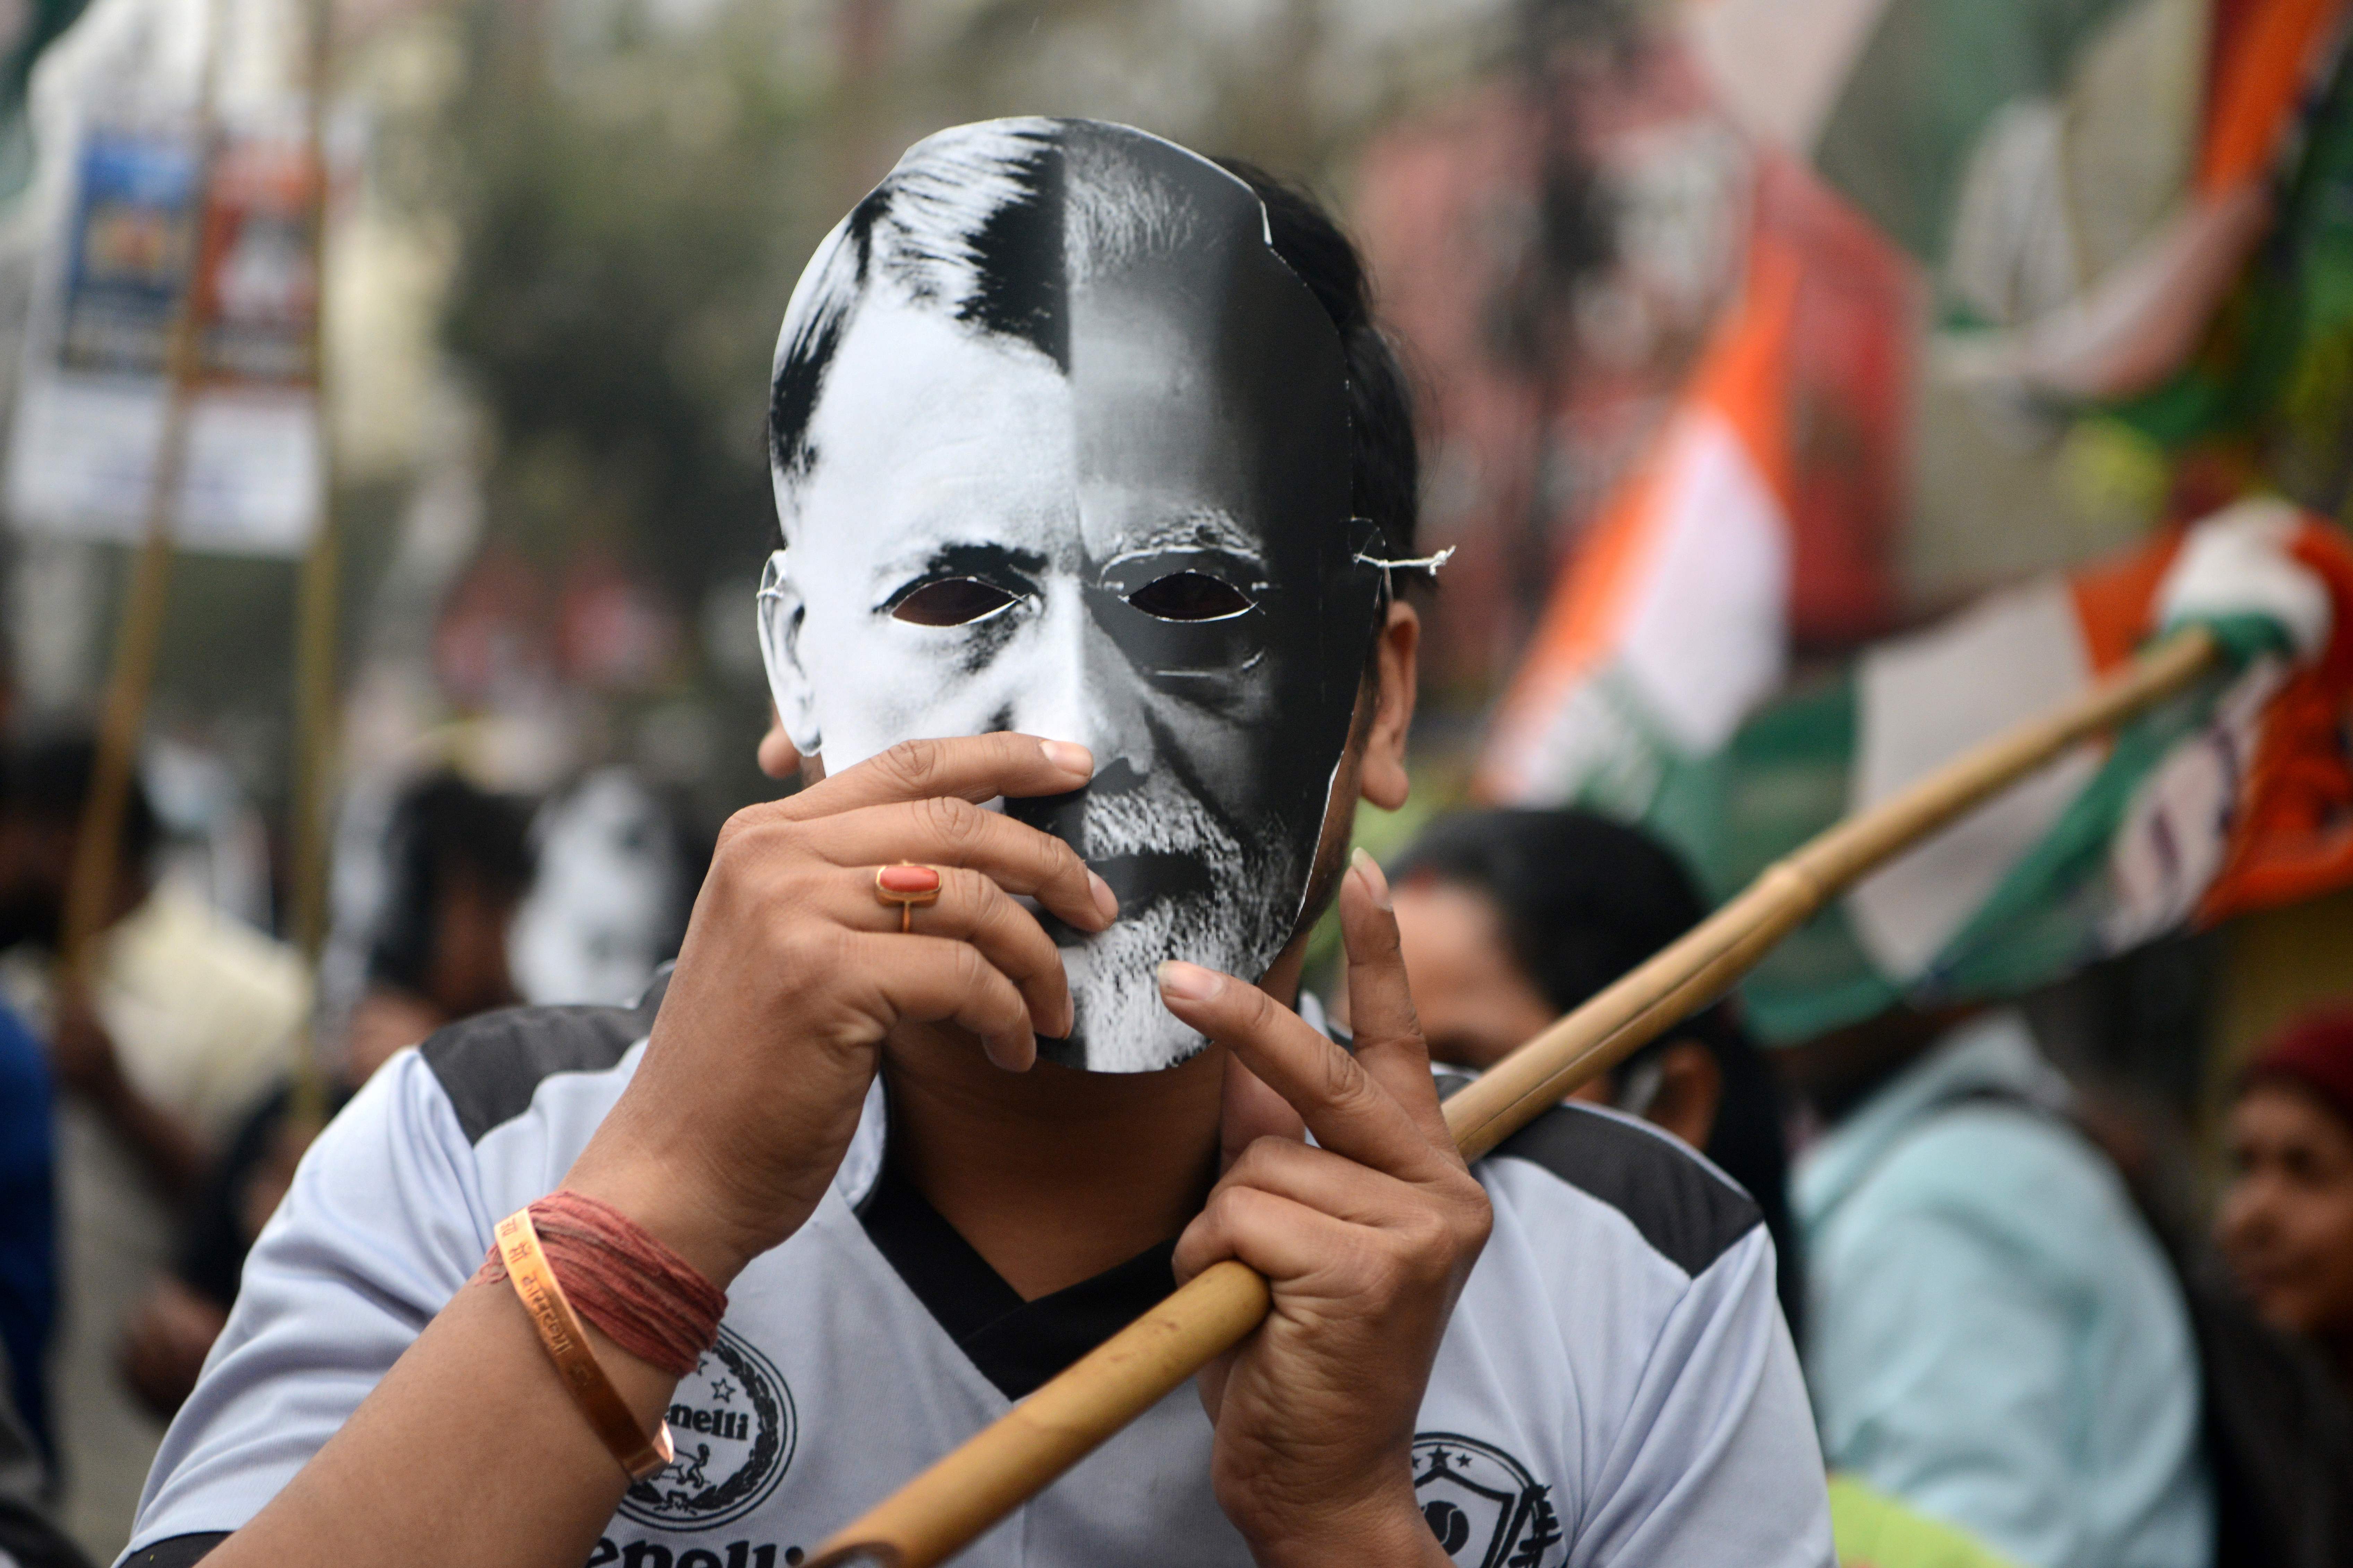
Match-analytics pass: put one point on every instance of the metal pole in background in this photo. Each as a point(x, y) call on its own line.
point(139, 630)
point(317, 615)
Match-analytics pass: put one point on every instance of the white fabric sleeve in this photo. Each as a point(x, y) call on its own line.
point(1716, 1461)
point(383, 1224)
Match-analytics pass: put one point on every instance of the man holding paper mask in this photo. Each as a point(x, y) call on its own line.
point(1094, 478)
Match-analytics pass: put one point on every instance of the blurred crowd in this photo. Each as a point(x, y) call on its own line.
point(155, 1097)
point(2014, 1356)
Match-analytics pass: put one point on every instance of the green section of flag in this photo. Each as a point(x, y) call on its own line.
point(2275, 372)
point(2045, 918)
point(1787, 775)
point(1784, 777)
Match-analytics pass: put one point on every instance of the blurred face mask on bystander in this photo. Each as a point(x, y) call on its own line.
point(1062, 447)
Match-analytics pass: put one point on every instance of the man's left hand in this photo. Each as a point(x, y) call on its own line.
point(1366, 1237)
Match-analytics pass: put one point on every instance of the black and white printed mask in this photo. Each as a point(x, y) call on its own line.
point(1061, 446)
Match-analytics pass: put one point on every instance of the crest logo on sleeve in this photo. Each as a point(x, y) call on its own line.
point(1484, 1507)
point(732, 1419)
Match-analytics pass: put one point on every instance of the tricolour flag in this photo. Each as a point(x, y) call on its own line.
point(1760, 518)
point(2236, 795)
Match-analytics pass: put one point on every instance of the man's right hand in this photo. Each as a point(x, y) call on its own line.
point(794, 971)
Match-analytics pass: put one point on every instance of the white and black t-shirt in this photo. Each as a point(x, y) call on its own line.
point(1616, 1386)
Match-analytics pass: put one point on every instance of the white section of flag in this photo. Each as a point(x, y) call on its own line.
point(1920, 700)
point(1706, 634)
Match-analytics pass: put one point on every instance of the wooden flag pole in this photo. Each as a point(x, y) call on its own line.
point(315, 636)
point(139, 631)
point(943, 1509)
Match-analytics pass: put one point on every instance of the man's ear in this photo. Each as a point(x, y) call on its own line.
point(1382, 775)
point(781, 610)
point(1690, 1093)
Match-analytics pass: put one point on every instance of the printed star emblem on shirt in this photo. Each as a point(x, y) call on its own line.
point(724, 1391)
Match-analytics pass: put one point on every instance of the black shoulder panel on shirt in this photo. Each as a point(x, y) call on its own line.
point(1688, 1213)
point(490, 1066)
point(177, 1552)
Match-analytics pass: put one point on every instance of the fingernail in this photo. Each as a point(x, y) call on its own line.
point(1189, 982)
point(1069, 756)
point(1375, 883)
point(1105, 900)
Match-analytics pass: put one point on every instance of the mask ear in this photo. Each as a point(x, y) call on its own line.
point(782, 608)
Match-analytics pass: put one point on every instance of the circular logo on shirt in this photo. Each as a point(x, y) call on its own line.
point(732, 1421)
point(1484, 1507)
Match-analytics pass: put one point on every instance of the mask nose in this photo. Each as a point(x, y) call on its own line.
point(1084, 690)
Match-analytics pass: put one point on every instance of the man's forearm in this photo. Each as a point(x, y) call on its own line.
point(469, 1454)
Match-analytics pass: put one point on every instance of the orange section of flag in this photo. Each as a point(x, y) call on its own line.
point(1742, 380)
point(2113, 597)
point(2292, 836)
point(2257, 88)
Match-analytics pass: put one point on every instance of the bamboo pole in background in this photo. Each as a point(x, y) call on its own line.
point(943, 1509)
point(316, 639)
point(139, 629)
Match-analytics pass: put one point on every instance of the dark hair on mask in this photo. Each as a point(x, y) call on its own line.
point(1384, 461)
point(1583, 901)
point(443, 827)
point(958, 227)
point(47, 778)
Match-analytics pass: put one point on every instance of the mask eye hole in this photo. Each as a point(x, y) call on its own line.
point(952, 602)
point(1189, 596)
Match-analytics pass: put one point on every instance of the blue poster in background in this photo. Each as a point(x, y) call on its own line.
point(134, 231)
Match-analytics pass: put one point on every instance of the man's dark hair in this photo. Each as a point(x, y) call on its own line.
point(443, 827)
point(1384, 461)
point(47, 778)
point(960, 224)
point(1585, 899)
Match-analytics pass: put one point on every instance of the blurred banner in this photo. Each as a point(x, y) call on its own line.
point(1678, 607)
point(2083, 180)
point(2116, 226)
point(93, 394)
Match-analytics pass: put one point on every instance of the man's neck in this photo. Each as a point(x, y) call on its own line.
point(1054, 1176)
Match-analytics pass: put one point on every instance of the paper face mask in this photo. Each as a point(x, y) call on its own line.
point(1061, 446)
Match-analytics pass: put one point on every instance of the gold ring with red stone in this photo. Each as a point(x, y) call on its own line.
point(907, 885)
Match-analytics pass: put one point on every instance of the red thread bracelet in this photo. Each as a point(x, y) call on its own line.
point(618, 1276)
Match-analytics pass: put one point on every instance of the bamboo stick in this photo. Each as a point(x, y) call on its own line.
point(943, 1509)
point(316, 633)
point(139, 633)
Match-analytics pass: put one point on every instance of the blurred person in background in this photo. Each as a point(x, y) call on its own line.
point(187, 1020)
point(459, 859)
point(2285, 1224)
point(1510, 918)
point(1993, 1335)
point(460, 865)
point(616, 871)
point(2280, 1391)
